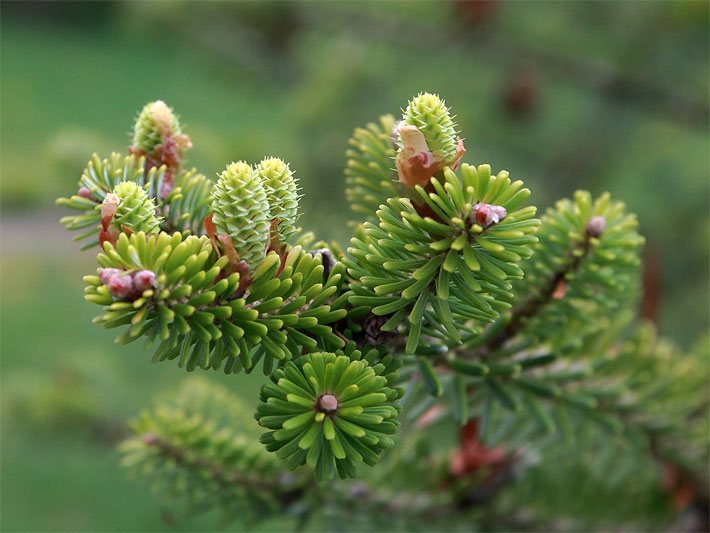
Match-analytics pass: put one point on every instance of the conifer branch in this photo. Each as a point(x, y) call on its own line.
point(554, 284)
point(451, 287)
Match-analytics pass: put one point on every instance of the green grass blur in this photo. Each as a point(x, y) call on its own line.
point(608, 96)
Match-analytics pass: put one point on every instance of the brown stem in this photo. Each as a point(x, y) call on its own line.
point(285, 493)
point(534, 304)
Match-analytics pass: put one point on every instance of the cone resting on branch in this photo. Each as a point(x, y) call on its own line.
point(254, 210)
point(241, 214)
point(127, 209)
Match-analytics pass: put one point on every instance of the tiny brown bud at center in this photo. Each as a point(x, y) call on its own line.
point(328, 404)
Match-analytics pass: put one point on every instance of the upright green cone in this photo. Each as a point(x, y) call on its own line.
point(427, 141)
point(134, 209)
point(282, 194)
point(430, 115)
point(241, 211)
point(155, 122)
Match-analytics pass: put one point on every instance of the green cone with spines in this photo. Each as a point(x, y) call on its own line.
point(183, 210)
point(155, 121)
point(443, 277)
point(197, 314)
point(600, 274)
point(99, 178)
point(328, 411)
point(430, 115)
point(282, 194)
point(241, 210)
point(136, 210)
point(370, 174)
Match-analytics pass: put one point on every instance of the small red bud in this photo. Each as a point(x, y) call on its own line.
point(120, 285)
point(85, 193)
point(144, 280)
point(596, 226)
point(107, 273)
point(328, 403)
point(560, 290)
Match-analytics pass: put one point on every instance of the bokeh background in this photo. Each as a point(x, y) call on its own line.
point(565, 95)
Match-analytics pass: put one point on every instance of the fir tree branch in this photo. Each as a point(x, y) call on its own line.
point(534, 304)
point(222, 473)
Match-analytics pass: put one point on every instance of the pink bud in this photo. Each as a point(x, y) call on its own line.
point(486, 215)
point(107, 273)
point(596, 226)
point(328, 403)
point(120, 286)
point(150, 439)
point(85, 193)
point(144, 280)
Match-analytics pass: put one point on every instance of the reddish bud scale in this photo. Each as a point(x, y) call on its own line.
point(85, 193)
point(107, 273)
point(143, 280)
point(121, 285)
point(487, 215)
point(127, 285)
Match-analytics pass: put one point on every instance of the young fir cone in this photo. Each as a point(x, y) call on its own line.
point(241, 214)
point(282, 194)
point(127, 208)
point(157, 136)
point(427, 141)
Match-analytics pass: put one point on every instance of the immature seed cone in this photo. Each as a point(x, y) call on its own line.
point(157, 137)
point(155, 122)
point(134, 209)
point(282, 194)
point(427, 140)
point(430, 115)
point(241, 211)
point(328, 411)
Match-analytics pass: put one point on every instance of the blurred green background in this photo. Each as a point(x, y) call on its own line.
point(603, 96)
